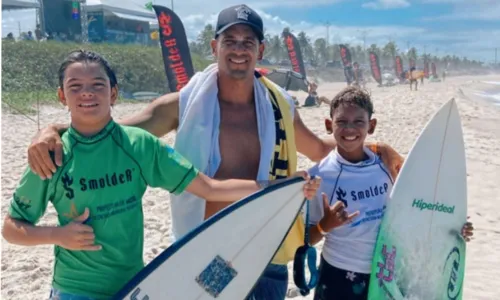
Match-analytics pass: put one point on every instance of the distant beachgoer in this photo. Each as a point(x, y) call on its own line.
point(359, 80)
point(349, 74)
point(412, 78)
point(312, 98)
point(30, 37)
point(38, 33)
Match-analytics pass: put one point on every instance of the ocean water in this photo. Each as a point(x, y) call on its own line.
point(491, 94)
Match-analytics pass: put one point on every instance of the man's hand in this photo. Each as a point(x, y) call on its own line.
point(391, 159)
point(76, 235)
point(467, 231)
point(39, 157)
point(335, 216)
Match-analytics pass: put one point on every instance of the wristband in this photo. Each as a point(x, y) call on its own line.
point(323, 233)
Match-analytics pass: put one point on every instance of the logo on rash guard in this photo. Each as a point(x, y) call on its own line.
point(370, 192)
point(178, 157)
point(23, 202)
point(67, 182)
point(108, 180)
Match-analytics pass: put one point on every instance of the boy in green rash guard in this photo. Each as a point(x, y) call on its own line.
point(98, 190)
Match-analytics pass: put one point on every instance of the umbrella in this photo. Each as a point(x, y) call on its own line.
point(262, 71)
point(287, 79)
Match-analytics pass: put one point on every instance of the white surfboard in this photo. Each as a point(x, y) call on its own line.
point(225, 256)
point(420, 253)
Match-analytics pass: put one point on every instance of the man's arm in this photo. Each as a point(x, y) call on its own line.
point(316, 148)
point(308, 143)
point(159, 118)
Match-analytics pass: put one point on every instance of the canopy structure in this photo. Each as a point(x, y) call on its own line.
point(123, 9)
point(19, 4)
point(16, 7)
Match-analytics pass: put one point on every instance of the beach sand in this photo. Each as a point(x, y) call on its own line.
point(401, 113)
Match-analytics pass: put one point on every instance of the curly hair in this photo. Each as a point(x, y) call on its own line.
point(352, 96)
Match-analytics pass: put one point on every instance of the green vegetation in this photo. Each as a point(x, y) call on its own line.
point(29, 69)
point(319, 51)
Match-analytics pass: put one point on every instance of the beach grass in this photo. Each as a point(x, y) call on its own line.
point(27, 103)
point(29, 66)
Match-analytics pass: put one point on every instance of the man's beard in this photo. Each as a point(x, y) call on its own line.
point(238, 74)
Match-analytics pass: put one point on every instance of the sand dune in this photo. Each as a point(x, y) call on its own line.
point(26, 272)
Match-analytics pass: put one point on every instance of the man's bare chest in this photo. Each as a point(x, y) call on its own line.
point(239, 145)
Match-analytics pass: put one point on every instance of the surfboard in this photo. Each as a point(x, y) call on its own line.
point(224, 257)
point(420, 253)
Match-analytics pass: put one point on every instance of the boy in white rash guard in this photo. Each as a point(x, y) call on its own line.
point(354, 189)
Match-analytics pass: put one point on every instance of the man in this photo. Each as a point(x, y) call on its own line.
point(237, 119)
point(412, 76)
point(349, 74)
point(312, 98)
point(359, 80)
point(38, 33)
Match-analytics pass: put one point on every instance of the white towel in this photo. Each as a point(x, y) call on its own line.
point(197, 140)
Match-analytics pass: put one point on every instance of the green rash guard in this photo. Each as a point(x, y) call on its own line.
point(109, 174)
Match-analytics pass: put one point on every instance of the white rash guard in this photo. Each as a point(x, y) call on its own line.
point(364, 186)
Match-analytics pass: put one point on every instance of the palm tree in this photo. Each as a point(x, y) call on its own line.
point(389, 53)
point(277, 48)
point(204, 39)
point(305, 46)
point(334, 53)
point(267, 46)
point(320, 50)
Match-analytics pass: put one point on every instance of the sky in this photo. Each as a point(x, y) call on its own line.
point(456, 27)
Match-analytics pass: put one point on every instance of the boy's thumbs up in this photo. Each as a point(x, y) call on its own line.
point(83, 217)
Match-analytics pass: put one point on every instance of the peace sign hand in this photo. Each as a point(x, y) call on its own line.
point(335, 216)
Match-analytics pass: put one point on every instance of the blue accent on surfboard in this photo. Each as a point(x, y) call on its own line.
point(303, 253)
point(216, 276)
point(170, 251)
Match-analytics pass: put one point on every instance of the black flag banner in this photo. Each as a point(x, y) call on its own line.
point(175, 48)
point(293, 48)
point(375, 67)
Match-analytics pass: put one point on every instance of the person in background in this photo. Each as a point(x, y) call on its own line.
point(38, 33)
point(359, 80)
point(10, 37)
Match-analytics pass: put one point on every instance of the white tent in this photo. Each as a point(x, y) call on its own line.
point(125, 9)
point(19, 4)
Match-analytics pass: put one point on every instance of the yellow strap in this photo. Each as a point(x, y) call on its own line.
point(288, 123)
point(295, 237)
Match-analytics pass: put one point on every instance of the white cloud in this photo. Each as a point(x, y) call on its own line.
point(20, 20)
point(189, 7)
point(196, 14)
point(480, 10)
point(443, 1)
point(386, 4)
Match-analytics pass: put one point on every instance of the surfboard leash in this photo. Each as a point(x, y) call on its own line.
point(303, 253)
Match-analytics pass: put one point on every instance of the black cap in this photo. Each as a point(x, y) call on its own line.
point(239, 14)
